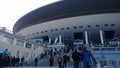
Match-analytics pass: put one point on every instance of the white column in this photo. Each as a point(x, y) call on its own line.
point(86, 37)
point(60, 41)
point(1, 37)
point(56, 39)
point(24, 45)
point(14, 41)
point(101, 37)
point(49, 40)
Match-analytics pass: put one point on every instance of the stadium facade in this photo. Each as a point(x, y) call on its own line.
point(70, 19)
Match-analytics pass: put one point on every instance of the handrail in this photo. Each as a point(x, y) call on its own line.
point(93, 60)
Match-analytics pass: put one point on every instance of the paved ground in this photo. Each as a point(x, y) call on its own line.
point(45, 63)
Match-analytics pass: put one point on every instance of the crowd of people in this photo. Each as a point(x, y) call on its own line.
point(79, 54)
point(6, 60)
point(62, 56)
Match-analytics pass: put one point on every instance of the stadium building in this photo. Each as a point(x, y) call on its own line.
point(81, 21)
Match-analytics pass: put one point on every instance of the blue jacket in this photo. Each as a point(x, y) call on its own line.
point(86, 56)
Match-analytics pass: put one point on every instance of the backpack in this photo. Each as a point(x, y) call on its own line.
point(59, 59)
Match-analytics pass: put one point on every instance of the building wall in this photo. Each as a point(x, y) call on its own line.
point(8, 41)
point(22, 51)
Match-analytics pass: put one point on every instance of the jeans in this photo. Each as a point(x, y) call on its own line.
point(86, 65)
point(76, 64)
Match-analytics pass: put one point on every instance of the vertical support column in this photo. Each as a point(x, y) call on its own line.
point(2, 37)
point(102, 42)
point(86, 37)
point(24, 45)
point(101, 37)
point(32, 51)
point(49, 40)
point(56, 39)
point(60, 41)
point(14, 41)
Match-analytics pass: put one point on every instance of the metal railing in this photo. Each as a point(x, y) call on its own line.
point(93, 61)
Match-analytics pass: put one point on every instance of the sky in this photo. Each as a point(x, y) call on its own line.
point(12, 10)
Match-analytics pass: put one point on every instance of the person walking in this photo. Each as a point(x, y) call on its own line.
point(60, 60)
point(77, 56)
point(22, 60)
point(1, 60)
point(65, 60)
point(17, 60)
point(36, 61)
point(86, 57)
point(51, 60)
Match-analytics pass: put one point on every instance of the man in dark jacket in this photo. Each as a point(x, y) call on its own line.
point(51, 60)
point(65, 60)
point(36, 61)
point(22, 60)
point(77, 56)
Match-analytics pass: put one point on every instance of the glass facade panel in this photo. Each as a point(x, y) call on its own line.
point(35, 47)
point(112, 62)
point(118, 63)
point(19, 43)
point(9, 40)
point(28, 45)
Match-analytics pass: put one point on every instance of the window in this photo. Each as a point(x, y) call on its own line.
point(74, 27)
point(18, 53)
point(105, 62)
point(37, 32)
point(20, 43)
point(32, 33)
point(51, 30)
point(89, 26)
point(9, 40)
point(41, 31)
point(112, 24)
point(35, 47)
point(67, 28)
point(23, 36)
point(28, 45)
point(62, 28)
point(46, 31)
point(97, 25)
point(80, 26)
point(105, 24)
point(112, 62)
point(56, 29)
